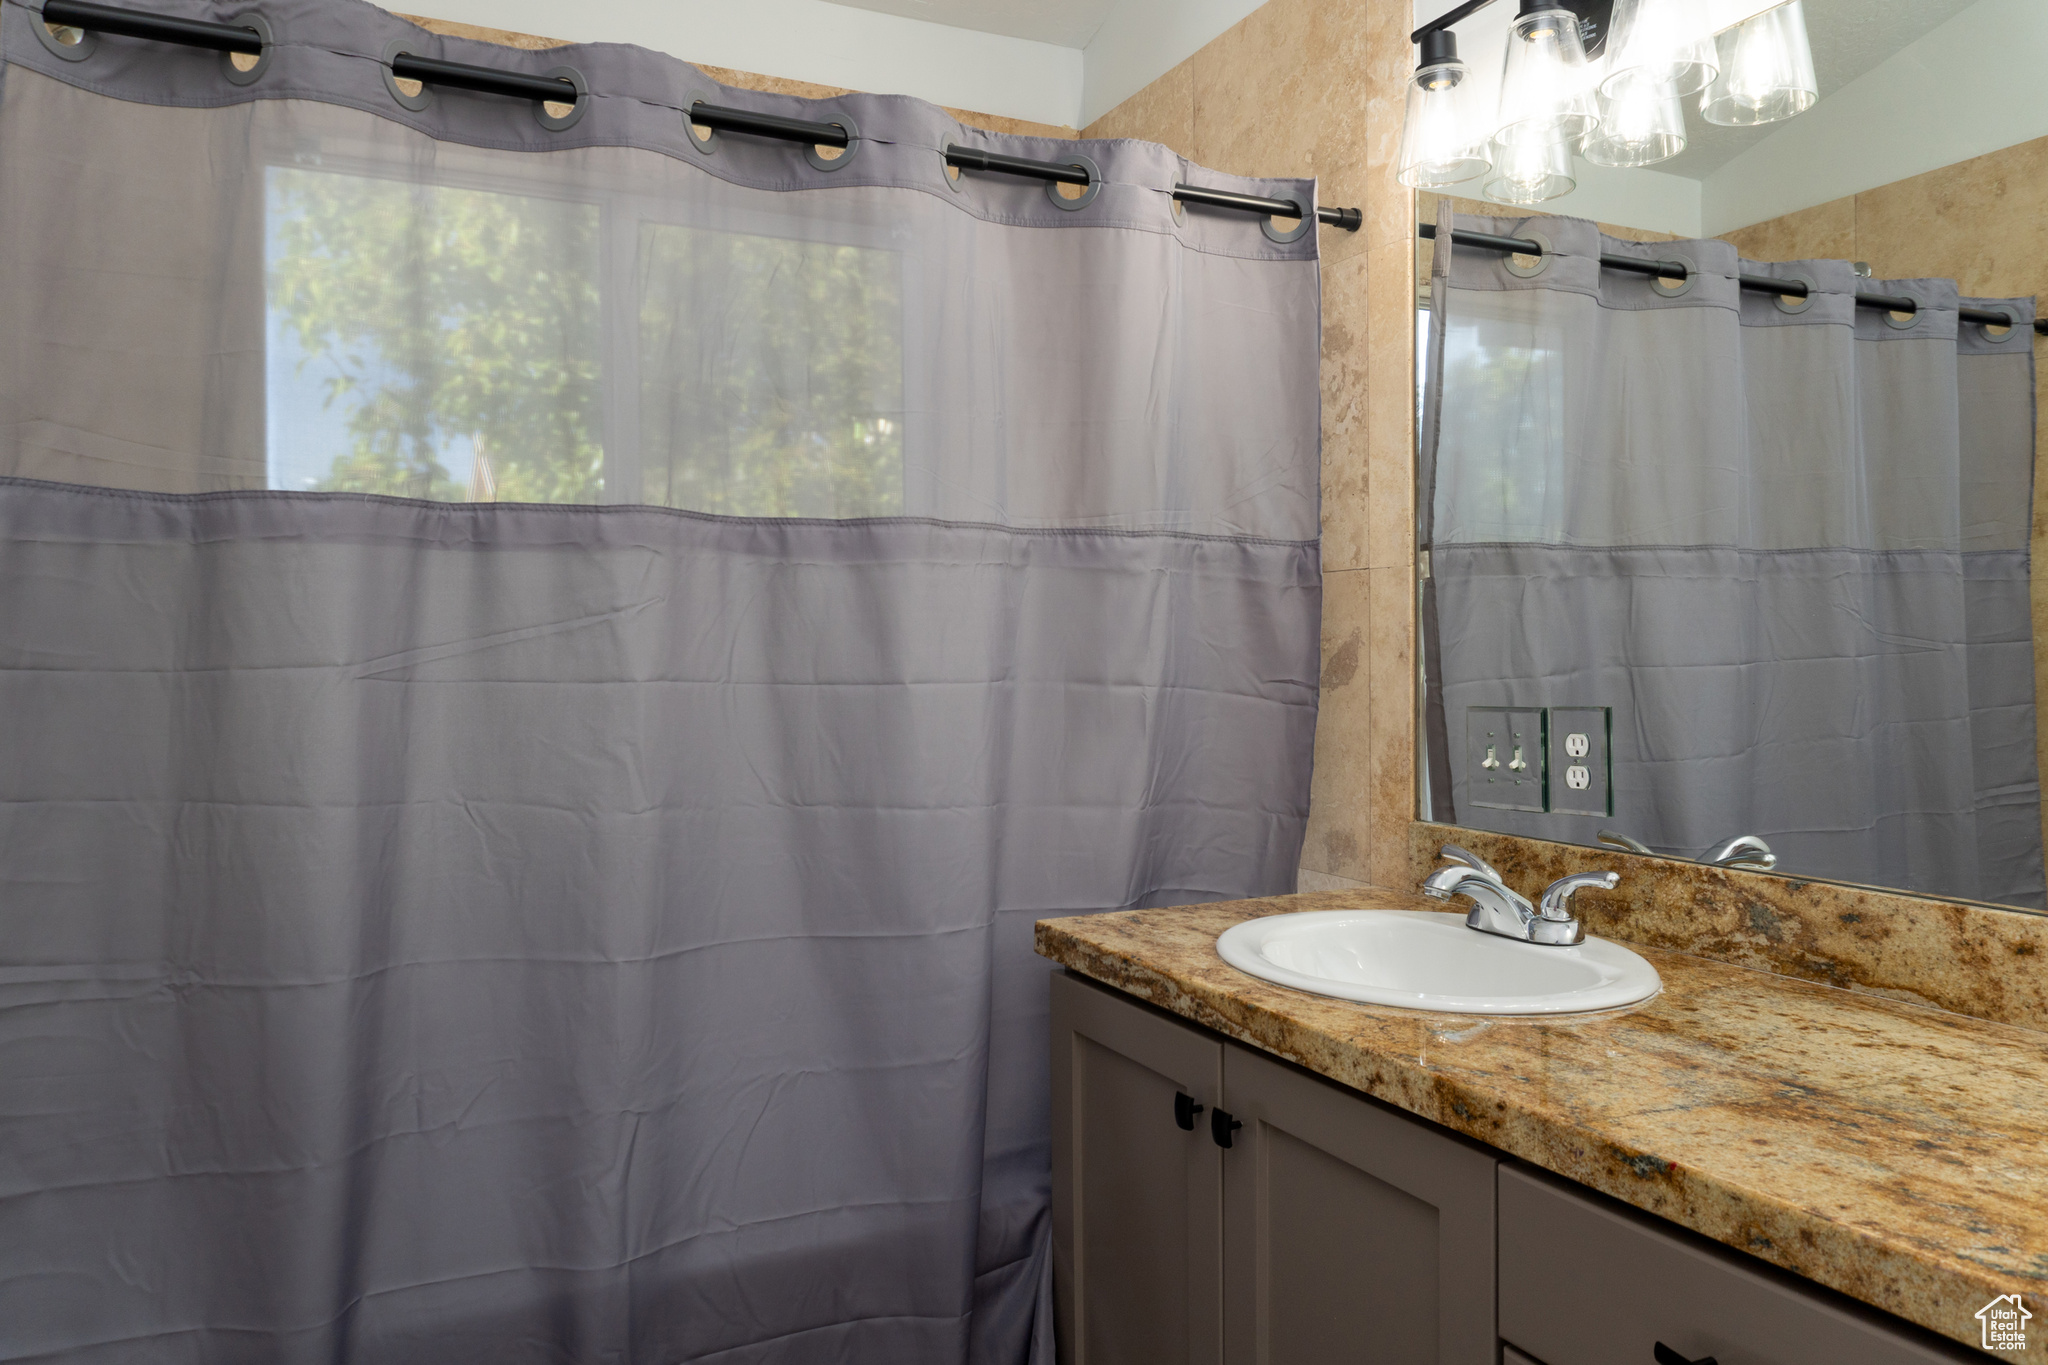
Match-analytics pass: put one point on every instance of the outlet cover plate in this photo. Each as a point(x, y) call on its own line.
point(1581, 747)
point(1495, 738)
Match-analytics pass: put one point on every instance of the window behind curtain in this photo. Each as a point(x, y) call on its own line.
point(435, 341)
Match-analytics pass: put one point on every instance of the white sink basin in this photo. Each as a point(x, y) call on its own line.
point(1423, 960)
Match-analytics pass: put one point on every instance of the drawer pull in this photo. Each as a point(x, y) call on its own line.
point(1184, 1111)
point(1221, 1126)
point(1666, 1356)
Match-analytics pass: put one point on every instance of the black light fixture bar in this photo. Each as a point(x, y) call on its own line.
point(729, 120)
point(1678, 270)
point(1449, 17)
point(163, 28)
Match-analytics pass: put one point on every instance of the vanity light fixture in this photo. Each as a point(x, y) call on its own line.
point(1766, 70)
point(1660, 42)
point(1641, 122)
point(1530, 172)
point(1442, 139)
point(1571, 87)
point(1546, 83)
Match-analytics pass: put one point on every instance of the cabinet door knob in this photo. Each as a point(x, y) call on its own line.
point(1221, 1125)
point(1184, 1111)
point(1666, 1356)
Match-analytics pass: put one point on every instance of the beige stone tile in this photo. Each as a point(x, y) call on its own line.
point(1390, 408)
point(502, 37)
point(1163, 112)
point(1340, 798)
point(1825, 231)
point(1391, 647)
point(1346, 346)
point(996, 123)
point(1283, 93)
point(1981, 222)
point(1968, 959)
point(1307, 879)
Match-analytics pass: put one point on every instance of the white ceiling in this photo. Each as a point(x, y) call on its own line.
point(1850, 37)
point(1064, 23)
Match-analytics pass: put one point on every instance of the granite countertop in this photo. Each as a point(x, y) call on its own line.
point(1892, 1151)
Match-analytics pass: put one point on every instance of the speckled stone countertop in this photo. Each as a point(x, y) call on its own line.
point(1891, 1151)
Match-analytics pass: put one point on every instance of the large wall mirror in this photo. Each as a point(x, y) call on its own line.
point(1727, 488)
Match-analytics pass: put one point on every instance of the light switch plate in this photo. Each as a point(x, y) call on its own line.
point(1505, 757)
point(1581, 746)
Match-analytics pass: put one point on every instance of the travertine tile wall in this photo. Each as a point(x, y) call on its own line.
point(1315, 87)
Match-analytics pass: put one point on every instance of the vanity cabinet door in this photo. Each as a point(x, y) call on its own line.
point(1589, 1282)
point(1137, 1198)
point(1353, 1232)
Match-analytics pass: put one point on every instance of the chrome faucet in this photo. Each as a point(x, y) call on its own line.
point(1498, 909)
point(1744, 850)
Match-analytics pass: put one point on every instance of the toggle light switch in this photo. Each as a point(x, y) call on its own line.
point(1506, 762)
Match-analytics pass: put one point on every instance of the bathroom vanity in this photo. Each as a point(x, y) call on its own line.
point(1747, 1168)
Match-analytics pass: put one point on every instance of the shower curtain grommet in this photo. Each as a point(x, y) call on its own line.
point(88, 41)
point(839, 162)
point(1087, 196)
point(557, 123)
point(250, 75)
point(1785, 303)
point(393, 50)
point(1301, 226)
point(706, 143)
point(1902, 322)
point(2004, 328)
point(1514, 265)
point(1663, 285)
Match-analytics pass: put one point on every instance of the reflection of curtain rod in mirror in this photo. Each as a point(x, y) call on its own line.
point(1679, 270)
point(82, 14)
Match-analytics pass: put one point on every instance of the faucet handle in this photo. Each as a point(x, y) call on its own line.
point(1744, 850)
point(1452, 853)
point(1557, 897)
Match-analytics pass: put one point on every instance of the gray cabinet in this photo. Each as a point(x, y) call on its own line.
point(1352, 1232)
point(1591, 1282)
point(1137, 1214)
point(1331, 1229)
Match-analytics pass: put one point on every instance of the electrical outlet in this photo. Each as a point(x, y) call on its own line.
point(1582, 748)
point(1506, 759)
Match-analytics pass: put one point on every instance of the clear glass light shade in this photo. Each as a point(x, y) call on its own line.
point(1441, 142)
point(1766, 70)
point(1663, 41)
point(1530, 172)
point(1641, 123)
point(1546, 87)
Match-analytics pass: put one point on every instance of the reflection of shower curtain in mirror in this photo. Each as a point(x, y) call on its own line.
point(547, 674)
point(1786, 543)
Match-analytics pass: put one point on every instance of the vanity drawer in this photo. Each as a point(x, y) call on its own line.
point(1585, 1281)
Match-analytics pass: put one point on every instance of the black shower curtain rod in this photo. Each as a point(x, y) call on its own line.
point(1679, 270)
point(487, 80)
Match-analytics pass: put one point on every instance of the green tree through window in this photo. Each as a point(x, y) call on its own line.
point(445, 320)
point(448, 343)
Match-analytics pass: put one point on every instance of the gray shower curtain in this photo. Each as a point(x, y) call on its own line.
point(546, 673)
point(1786, 543)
